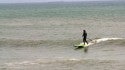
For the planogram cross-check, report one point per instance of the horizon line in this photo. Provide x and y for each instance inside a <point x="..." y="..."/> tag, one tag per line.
<point x="54" y="1"/>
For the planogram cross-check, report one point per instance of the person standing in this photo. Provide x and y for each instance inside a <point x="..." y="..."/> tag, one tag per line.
<point x="84" y="37"/>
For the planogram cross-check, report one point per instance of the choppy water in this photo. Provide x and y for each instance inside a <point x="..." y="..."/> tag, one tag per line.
<point x="41" y="36"/>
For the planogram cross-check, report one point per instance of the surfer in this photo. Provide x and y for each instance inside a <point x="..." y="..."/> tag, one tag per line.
<point x="84" y="37"/>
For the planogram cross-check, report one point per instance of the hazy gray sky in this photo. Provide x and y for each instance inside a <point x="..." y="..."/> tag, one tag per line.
<point x="22" y="1"/>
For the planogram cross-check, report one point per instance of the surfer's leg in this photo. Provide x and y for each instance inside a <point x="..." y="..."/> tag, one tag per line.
<point x="87" y="42"/>
<point x="84" y="41"/>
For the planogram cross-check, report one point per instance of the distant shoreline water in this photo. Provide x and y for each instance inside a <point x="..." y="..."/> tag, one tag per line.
<point x="84" y="10"/>
<point x="65" y="2"/>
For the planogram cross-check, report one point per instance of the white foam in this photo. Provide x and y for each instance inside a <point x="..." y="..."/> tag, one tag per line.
<point x="39" y="61"/>
<point x="13" y="64"/>
<point x="101" y="40"/>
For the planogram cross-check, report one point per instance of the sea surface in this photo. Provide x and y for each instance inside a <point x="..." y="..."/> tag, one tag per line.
<point x="40" y="36"/>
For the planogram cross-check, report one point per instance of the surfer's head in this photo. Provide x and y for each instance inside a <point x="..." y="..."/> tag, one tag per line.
<point x="84" y="31"/>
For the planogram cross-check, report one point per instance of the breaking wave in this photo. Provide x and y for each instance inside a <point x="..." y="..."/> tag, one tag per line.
<point x="31" y="43"/>
<point x="102" y="40"/>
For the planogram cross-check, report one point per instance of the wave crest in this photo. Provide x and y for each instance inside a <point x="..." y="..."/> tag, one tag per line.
<point x="102" y="40"/>
<point x="18" y="42"/>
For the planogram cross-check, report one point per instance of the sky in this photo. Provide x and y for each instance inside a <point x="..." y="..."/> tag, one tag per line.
<point x="23" y="1"/>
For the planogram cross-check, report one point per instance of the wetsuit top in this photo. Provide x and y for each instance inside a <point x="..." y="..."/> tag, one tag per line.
<point x="84" y="35"/>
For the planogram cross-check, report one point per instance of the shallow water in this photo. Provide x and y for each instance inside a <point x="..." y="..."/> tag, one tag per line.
<point x="37" y="39"/>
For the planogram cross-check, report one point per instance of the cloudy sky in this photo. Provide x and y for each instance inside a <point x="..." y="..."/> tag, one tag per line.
<point x="23" y="1"/>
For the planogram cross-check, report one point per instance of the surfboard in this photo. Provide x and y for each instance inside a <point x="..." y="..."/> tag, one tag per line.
<point x="81" y="45"/>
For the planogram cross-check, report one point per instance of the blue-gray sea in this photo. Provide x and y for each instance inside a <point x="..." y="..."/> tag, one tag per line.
<point x="40" y="36"/>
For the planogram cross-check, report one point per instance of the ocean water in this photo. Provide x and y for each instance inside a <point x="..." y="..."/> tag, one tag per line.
<point x="39" y="36"/>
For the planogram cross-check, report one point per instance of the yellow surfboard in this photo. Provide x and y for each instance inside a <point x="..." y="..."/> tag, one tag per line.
<point x="81" y="45"/>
